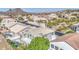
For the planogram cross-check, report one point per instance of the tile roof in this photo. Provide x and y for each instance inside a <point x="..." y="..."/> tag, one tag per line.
<point x="71" y="39"/>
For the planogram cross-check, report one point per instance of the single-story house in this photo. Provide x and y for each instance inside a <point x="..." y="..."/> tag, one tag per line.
<point x="75" y="27"/>
<point x="8" y="22"/>
<point x="45" y="32"/>
<point x="66" y="42"/>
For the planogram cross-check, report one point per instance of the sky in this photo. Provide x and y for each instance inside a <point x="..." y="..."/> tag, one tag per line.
<point x="38" y="10"/>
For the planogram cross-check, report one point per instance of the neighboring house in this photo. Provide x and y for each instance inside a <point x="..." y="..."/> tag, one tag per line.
<point x="33" y="23"/>
<point x="25" y="33"/>
<point x="53" y="16"/>
<point x="17" y="28"/>
<point x="75" y="27"/>
<point x="36" y="18"/>
<point x="8" y="22"/>
<point x="66" y="16"/>
<point x="15" y="32"/>
<point x="75" y="14"/>
<point x="41" y="32"/>
<point x="4" y="16"/>
<point x="66" y="42"/>
<point x="72" y="17"/>
<point x="36" y="24"/>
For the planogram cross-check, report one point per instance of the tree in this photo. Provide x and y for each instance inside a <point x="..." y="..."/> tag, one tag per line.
<point x="20" y="19"/>
<point x="39" y="43"/>
<point x="13" y="44"/>
<point x="22" y="46"/>
<point x="17" y="45"/>
<point x="30" y="17"/>
<point x="0" y="19"/>
<point x="50" y="24"/>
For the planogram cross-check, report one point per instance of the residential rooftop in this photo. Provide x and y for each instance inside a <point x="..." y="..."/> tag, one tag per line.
<point x="71" y="39"/>
<point x="40" y="30"/>
<point x="17" y="28"/>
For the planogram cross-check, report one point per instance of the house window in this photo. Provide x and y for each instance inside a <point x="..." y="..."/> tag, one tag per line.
<point x="56" y="48"/>
<point x="52" y="46"/>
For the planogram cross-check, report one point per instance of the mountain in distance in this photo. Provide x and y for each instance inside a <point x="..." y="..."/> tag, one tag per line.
<point x="18" y="11"/>
<point x="15" y="11"/>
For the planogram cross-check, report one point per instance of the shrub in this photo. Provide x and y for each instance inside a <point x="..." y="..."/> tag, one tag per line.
<point x="39" y="43"/>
